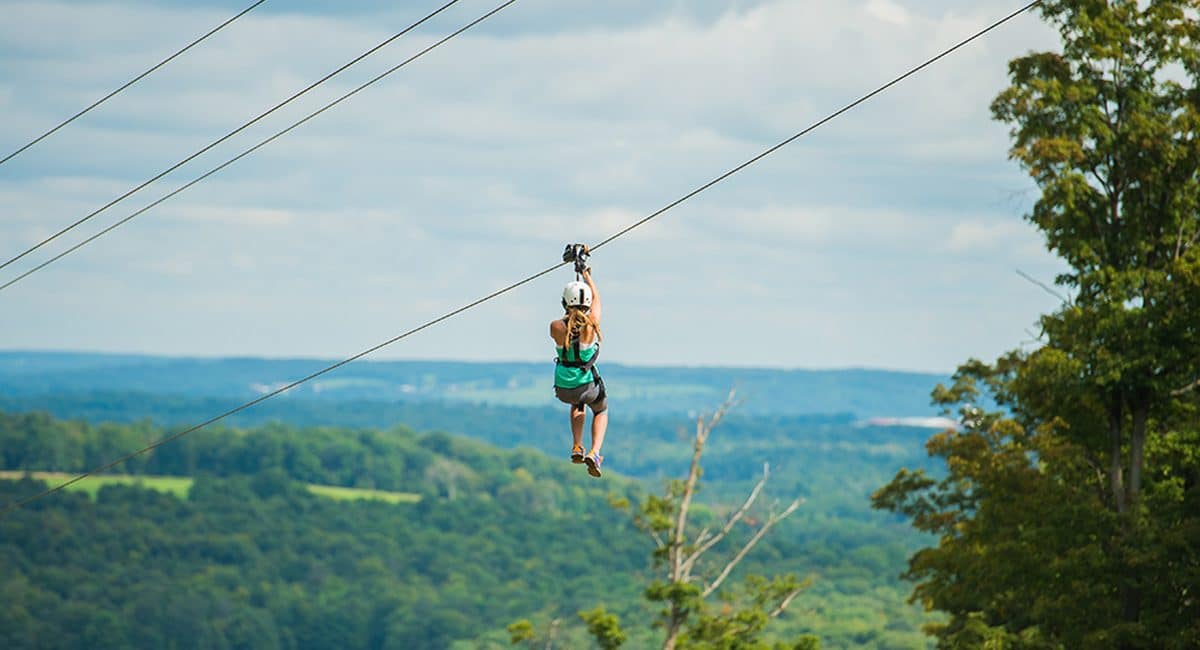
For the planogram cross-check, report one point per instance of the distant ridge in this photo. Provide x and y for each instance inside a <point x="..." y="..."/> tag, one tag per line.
<point x="864" y="393"/>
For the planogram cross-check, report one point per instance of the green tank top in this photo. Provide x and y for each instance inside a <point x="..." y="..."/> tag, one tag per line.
<point x="566" y="377"/>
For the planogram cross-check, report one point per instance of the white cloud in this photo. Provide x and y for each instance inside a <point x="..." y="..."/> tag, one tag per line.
<point x="473" y="166"/>
<point x="888" y="12"/>
<point x="974" y="236"/>
<point x="224" y="215"/>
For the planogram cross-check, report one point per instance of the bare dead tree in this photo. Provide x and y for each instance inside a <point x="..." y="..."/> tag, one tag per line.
<point x="667" y="526"/>
<point x="552" y="634"/>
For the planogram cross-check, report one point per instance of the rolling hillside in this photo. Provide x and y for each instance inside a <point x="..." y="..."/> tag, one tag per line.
<point x="637" y="390"/>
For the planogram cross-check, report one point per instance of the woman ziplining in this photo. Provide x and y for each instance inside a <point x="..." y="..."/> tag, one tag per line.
<point x="577" y="346"/>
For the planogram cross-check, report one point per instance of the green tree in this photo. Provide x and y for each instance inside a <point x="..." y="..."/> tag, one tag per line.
<point x="1065" y="518"/>
<point x="604" y="627"/>
<point x="1110" y="136"/>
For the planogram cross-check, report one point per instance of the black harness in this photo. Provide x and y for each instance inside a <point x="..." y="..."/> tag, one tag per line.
<point x="586" y="366"/>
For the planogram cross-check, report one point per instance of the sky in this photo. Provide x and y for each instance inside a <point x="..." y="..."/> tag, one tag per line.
<point x="888" y="238"/>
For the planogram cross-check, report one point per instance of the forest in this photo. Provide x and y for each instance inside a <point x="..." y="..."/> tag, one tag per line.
<point x="501" y="534"/>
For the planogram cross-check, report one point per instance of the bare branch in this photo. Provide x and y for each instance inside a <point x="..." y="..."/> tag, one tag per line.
<point x="726" y="406"/>
<point x="1045" y="287"/>
<point x="1094" y="463"/>
<point x="1193" y="240"/>
<point x="731" y="522"/>
<point x="767" y="526"/>
<point x="658" y="540"/>
<point x="552" y="633"/>
<point x="1100" y="179"/>
<point x="787" y="600"/>
<point x="1034" y="339"/>
<point x="1179" y="392"/>
<point x="1011" y="197"/>
<point x="675" y="552"/>
<point x="1034" y="336"/>
<point x="678" y="569"/>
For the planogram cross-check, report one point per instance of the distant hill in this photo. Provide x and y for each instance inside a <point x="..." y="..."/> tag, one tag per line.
<point x="861" y="393"/>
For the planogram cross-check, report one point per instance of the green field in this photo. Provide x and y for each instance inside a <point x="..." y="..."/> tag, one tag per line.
<point x="179" y="486"/>
<point x="357" y="494"/>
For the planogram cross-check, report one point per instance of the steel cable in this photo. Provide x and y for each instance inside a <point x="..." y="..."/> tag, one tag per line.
<point x="223" y="138"/>
<point x="129" y="83"/>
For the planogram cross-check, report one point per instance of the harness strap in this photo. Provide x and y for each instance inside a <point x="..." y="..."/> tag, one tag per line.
<point x="586" y="366"/>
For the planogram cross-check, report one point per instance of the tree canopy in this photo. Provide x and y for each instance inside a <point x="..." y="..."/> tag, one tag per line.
<point x="1070" y="516"/>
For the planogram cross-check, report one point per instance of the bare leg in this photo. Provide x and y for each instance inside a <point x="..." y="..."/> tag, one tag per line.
<point x="599" y="426"/>
<point x="577" y="426"/>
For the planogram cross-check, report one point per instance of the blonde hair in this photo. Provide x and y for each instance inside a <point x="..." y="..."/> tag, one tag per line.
<point x="580" y="322"/>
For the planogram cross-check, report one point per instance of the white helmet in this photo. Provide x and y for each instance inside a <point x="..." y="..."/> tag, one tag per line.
<point x="577" y="294"/>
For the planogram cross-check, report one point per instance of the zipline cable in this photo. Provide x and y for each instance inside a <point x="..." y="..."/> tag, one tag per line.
<point x="824" y="120"/>
<point x="232" y="133"/>
<point x="17" y="504"/>
<point x="129" y="83"/>
<point x="251" y="150"/>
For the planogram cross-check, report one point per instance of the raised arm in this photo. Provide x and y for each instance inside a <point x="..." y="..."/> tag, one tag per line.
<point x="587" y="277"/>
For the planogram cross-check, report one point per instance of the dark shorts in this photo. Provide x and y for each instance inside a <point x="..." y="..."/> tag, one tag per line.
<point x="592" y="394"/>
